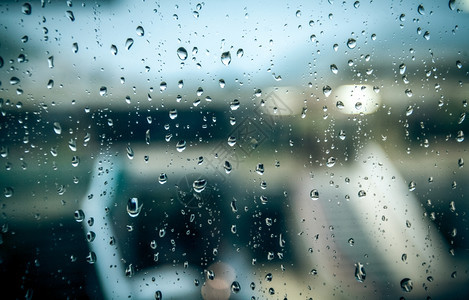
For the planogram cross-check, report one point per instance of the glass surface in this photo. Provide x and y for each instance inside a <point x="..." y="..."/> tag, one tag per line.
<point x="241" y="150"/>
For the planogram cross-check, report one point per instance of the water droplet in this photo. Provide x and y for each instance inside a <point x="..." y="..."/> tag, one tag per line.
<point x="452" y="206"/>
<point x="460" y="136"/>
<point x="173" y="113"/>
<point x="360" y="274"/>
<point x="407" y="285"/>
<point x="327" y="90"/>
<point x="361" y="193"/>
<point x="181" y="146"/>
<point x="228" y="168"/>
<point x="90" y="236"/>
<point x="75" y="161"/>
<point x="269" y="277"/>
<point x="14" y="80"/>
<point x="460" y="162"/>
<point x="129" y="271"/>
<point x="199" y="185"/>
<point x="260" y="169"/>
<point x="351" y="43"/>
<point x="57" y="128"/>
<point x="426" y="35"/>
<point x="402" y="69"/>
<point x="451" y="4"/>
<point x="133" y="209"/>
<point x="314" y="194"/>
<point x="158" y="295"/>
<point x="210" y="274"/>
<point x="356" y="4"/>
<point x="331" y="162"/>
<point x="235" y="287"/>
<point x="226" y="58"/>
<point x="412" y="186"/>
<point x="139" y="30"/>
<point x="113" y="49"/>
<point x="128" y="43"/>
<point x="231" y="141"/>
<point x="409" y="110"/>
<point x="163" y="86"/>
<point x="264" y="199"/>
<point x="351" y="241"/>
<point x="70" y="15"/>
<point x="408" y="92"/>
<point x="240" y="53"/>
<point x="91" y="258"/>
<point x="103" y="91"/>
<point x="130" y="152"/>
<point x="342" y="135"/>
<point x="147" y="137"/>
<point x="404" y="257"/>
<point x="334" y="69"/>
<point x="421" y="10"/>
<point x="339" y="104"/>
<point x="26" y="8"/>
<point x="162" y="179"/>
<point x="79" y="215"/>
<point x="182" y="53"/>
<point x="234" y="105"/>
<point x="72" y="144"/>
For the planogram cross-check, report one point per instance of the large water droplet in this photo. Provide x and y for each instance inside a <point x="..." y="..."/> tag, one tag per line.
<point x="231" y="141"/>
<point x="334" y="69"/>
<point x="91" y="258"/>
<point x="103" y="91"/>
<point x="57" y="128"/>
<point x="407" y="285"/>
<point x="226" y="58"/>
<point x="8" y="192"/>
<point x="327" y="90"/>
<point x="402" y="69"/>
<point x="158" y="295"/>
<point x="114" y="49"/>
<point x="331" y="162"/>
<point x="90" y="236"/>
<point x="235" y="287"/>
<point x="460" y="136"/>
<point x="139" y="31"/>
<point x="26" y="8"/>
<point x="181" y="146"/>
<point x="173" y="113"/>
<point x="360" y="274"/>
<point x="421" y="10"/>
<point x="75" y="161"/>
<point x="133" y="207"/>
<point x="351" y="43"/>
<point x="128" y="43"/>
<point x="72" y="144"/>
<point x="314" y="194"/>
<point x="199" y="185"/>
<point x="412" y="186"/>
<point x="50" y="62"/>
<point x="240" y="53"/>
<point x="163" y="178"/>
<point x="70" y="15"/>
<point x="228" y="168"/>
<point x="182" y="53"/>
<point x="14" y="80"/>
<point x="79" y="215"/>
<point x="260" y="169"/>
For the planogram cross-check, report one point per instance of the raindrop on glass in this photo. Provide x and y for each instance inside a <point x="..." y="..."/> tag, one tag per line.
<point x="79" y="215"/>
<point x="128" y="43"/>
<point x="314" y="194"/>
<point x="163" y="178"/>
<point x="226" y="58"/>
<point x="235" y="287"/>
<point x="407" y="285"/>
<point x="133" y="207"/>
<point x="181" y="146"/>
<point x="351" y="43"/>
<point x="139" y="31"/>
<point x="26" y="8"/>
<point x="199" y="185"/>
<point x="360" y="274"/>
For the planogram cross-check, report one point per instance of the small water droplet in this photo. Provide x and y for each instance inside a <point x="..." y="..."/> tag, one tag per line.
<point x="330" y="162"/>
<point x="50" y="62"/>
<point x="181" y="146"/>
<point x="407" y="285"/>
<point x="404" y="257"/>
<point x="426" y="35"/>
<point x="163" y="86"/>
<point x="361" y="193"/>
<point x="139" y="30"/>
<point x="460" y="162"/>
<point x="360" y="273"/>
<point x="26" y="8"/>
<point x="351" y="43"/>
<point x="412" y="186"/>
<point x="226" y="58"/>
<point x="460" y="136"/>
<point x="210" y="274"/>
<point x="334" y="69"/>
<point x="409" y="110"/>
<point x="234" y="105"/>
<point x="129" y="271"/>
<point x="133" y="207"/>
<point x="163" y="178"/>
<point x="147" y="137"/>
<point x="260" y="169"/>
<point x="72" y="144"/>
<point x="91" y="258"/>
<point x="128" y="43"/>
<point x="90" y="236"/>
<point x="351" y="241"/>
<point x="451" y="4"/>
<point x="57" y="128"/>
<point x="173" y="113"/>
<point x="240" y="53"/>
<point x="342" y="135"/>
<point x="130" y="152"/>
<point x="408" y="92"/>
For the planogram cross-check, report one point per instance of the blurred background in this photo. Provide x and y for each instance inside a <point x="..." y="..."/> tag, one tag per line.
<point x="235" y="150"/>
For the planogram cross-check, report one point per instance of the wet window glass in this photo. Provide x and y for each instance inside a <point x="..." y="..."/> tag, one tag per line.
<point x="243" y="150"/>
